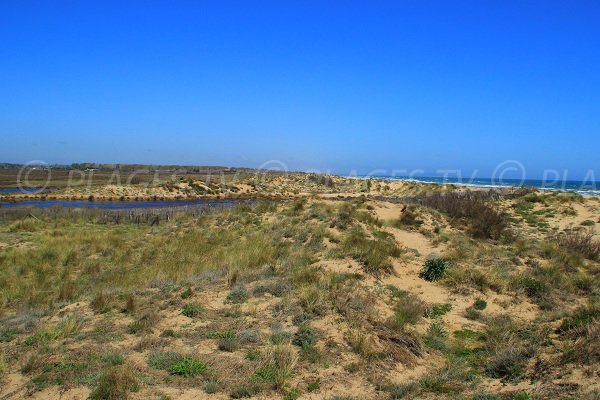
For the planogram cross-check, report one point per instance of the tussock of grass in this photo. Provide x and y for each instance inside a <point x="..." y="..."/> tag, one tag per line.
<point x="115" y="384"/>
<point x="188" y="367"/>
<point x="374" y="254"/>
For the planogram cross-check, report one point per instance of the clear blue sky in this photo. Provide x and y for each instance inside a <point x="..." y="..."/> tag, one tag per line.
<point x="327" y="85"/>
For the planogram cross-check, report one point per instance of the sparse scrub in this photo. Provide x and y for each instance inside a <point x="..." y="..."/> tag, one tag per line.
<point x="485" y="220"/>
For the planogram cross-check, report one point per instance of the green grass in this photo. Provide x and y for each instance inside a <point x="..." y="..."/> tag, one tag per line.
<point x="188" y="367"/>
<point x="192" y="310"/>
<point x="434" y="269"/>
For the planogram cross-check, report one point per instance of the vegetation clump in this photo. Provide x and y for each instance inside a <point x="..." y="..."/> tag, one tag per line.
<point x="434" y="269"/>
<point x="192" y="310"/>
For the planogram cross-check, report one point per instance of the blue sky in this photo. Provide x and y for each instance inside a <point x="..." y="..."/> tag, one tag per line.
<point x="334" y="86"/>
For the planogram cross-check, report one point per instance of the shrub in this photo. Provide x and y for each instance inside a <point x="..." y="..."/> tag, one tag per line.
<point x="279" y="336"/>
<point x="246" y="389"/>
<point x="534" y="288"/>
<point x="237" y="295"/>
<point x="436" y="336"/>
<point x="409" y="218"/>
<point x="212" y="386"/>
<point x="580" y="242"/>
<point x="434" y="269"/>
<point x="113" y="359"/>
<point x="408" y="310"/>
<point x="486" y="220"/>
<point x="480" y="304"/>
<point x="188" y="367"/>
<point x="437" y="310"/>
<point x="115" y="385"/>
<point x="507" y="363"/>
<point x="305" y="336"/>
<point x="373" y="254"/>
<point x="192" y="310"/>
<point x="278" y="365"/>
<point x="187" y="293"/>
<point x="398" y="392"/>
<point x="277" y="289"/>
<point x="228" y="341"/>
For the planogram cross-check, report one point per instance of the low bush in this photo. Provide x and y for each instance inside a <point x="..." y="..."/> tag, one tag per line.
<point x="480" y="304"/>
<point x="485" y="219"/>
<point x="436" y="336"/>
<point x="237" y="295"/>
<point x="192" y="310"/>
<point x="228" y="341"/>
<point x="437" y="310"/>
<point x="305" y="336"/>
<point x="408" y="310"/>
<point x="434" y="269"/>
<point x="580" y="242"/>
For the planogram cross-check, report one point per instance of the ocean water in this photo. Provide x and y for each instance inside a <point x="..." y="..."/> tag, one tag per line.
<point x="586" y="188"/>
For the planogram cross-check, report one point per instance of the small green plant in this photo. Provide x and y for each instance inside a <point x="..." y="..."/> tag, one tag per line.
<point x="436" y="336"/>
<point x="480" y="304"/>
<point x="253" y="355"/>
<point x="437" y="310"/>
<point x="212" y="386"/>
<point x="305" y="337"/>
<point x="188" y="367"/>
<point x="192" y="310"/>
<point x="313" y="386"/>
<point x="187" y="293"/>
<point x="228" y="341"/>
<point x="352" y="368"/>
<point x="434" y="269"/>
